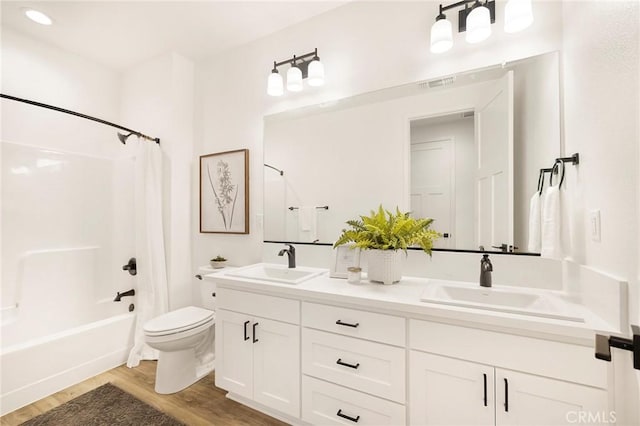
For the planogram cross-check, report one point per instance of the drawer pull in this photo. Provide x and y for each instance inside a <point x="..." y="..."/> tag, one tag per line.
<point x="340" y="362"/>
<point x="344" y="416"/>
<point x="246" y="323"/>
<point x="346" y="324"/>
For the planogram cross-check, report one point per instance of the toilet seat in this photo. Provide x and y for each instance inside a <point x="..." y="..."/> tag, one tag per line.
<point x="179" y="321"/>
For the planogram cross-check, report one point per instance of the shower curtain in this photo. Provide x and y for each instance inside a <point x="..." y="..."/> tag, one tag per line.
<point x="151" y="291"/>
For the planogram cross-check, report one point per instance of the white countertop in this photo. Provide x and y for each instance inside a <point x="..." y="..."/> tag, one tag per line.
<point x="404" y="298"/>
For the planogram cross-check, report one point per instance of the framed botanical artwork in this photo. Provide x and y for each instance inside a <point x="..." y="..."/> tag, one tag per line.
<point x="224" y="192"/>
<point x="343" y="257"/>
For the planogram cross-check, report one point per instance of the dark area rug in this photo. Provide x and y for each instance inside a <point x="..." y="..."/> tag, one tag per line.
<point x="107" y="405"/>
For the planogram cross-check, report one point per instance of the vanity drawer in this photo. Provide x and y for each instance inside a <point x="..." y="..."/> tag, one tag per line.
<point x="358" y="364"/>
<point x="328" y="404"/>
<point x="352" y="322"/>
<point x="259" y="305"/>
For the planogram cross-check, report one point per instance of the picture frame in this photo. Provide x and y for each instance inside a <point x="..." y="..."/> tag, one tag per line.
<point x="224" y="192"/>
<point x="344" y="257"/>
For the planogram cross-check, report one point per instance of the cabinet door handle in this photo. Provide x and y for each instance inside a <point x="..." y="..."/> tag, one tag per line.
<point x="485" y="388"/>
<point x="340" y="362"/>
<point x="254" y="332"/>
<point x="506" y="395"/>
<point x="346" y="324"/>
<point x="246" y="336"/>
<point x="344" y="416"/>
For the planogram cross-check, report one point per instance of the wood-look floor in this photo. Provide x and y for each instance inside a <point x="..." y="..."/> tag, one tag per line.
<point x="199" y="405"/>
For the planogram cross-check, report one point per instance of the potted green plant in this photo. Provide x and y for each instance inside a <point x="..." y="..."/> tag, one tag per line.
<point x="384" y="234"/>
<point x="218" y="262"/>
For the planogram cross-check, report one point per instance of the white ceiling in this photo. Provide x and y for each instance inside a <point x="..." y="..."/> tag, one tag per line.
<point x="120" y="34"/>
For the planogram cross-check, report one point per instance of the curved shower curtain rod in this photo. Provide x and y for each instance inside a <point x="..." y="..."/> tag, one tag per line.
<point x="123" y="138"/>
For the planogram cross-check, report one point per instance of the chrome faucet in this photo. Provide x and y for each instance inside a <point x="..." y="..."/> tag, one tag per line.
<point x="291" y="254"/>
<point x="485" y="271"/>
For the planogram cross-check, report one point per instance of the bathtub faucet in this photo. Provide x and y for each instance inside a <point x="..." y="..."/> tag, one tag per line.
<point x="119" y="296"/>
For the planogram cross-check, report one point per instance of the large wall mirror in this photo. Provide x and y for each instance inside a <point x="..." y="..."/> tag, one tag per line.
<point x="464" y="149"/>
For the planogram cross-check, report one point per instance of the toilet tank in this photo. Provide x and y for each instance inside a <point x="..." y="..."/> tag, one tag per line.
<point x="207" y="289"/>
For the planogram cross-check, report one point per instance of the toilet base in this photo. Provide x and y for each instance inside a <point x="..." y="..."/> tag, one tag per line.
<point x="177" y="371"/>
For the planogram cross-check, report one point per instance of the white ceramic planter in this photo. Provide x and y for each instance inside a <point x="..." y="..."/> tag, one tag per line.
<point x="384" y="266"/>
<point x="217" y="264"/>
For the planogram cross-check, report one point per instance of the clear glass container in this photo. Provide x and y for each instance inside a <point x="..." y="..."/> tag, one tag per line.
<point x="354" y="274"/>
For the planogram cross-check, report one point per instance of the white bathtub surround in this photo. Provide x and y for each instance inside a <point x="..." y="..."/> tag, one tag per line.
<point x="152" y="289"/>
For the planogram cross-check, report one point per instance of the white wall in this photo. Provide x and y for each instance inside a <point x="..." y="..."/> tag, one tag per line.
<point x="365" y="46"/>
<point x="601" y="116"/>
<point x="158" y="100"/>
<point x="39" y="72"/>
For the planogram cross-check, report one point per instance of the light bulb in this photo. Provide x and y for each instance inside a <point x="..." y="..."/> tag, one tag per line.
<point x="315" y="73"/>
<point x="294" y="79"/>
<point x="478" y="25"/>
<point x="517" y="15"/>
<point x="37" y="16"/>
<point x="275" y="86"/>
<point x="441" y="36"/>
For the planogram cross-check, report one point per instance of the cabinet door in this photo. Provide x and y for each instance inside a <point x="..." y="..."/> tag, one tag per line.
<point x="447" y="391"/>
<point x="234" y="353"/>
<point x="276" y="365"/>
<point x="525" y="399"/>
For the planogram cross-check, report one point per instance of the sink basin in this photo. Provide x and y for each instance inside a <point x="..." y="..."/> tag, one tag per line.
<point x="501" y="299"/>
<point x="276" y="273"/>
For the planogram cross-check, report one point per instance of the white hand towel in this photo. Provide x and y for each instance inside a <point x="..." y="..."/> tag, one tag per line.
<point x="535" y="213"/>
<point x="307" y="224"/>
<point x="550" y="244"/>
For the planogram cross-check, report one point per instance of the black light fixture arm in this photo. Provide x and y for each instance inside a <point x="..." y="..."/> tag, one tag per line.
<point x="463" y="13"/>
<point x="297" y="58"/>
<point x="454" y="5"/>
<point x="77" y="114"/>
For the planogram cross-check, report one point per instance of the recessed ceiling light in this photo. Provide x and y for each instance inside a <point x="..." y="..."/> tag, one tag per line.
<point x="37" y="16"/>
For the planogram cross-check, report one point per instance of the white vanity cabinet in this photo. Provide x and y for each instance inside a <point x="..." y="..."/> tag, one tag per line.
<point x="447" y="390"/>
<point x="353" y="365"/>
<point x="326" y="353"/>
<point x="257" y="355"/>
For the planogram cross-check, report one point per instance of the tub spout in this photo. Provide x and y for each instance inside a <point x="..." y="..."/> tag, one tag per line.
<point x="119" y="296"/>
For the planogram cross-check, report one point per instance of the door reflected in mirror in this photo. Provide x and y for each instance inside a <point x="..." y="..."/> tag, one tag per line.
<point x="465" y="150"/>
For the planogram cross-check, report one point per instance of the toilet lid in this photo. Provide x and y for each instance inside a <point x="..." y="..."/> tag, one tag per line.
<point x="178" y="320"/>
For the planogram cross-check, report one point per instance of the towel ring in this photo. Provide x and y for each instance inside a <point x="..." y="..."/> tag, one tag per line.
<point x="556" y="166"/>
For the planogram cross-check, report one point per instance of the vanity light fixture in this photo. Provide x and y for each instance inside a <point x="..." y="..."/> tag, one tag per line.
<point x="307" y="66"/>
<point x="476" y="20"/>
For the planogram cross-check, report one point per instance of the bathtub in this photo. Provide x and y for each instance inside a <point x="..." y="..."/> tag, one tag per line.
<point x="37" y="368"/>
<point x="67" y="229"/>
<point x="62" y="325"/>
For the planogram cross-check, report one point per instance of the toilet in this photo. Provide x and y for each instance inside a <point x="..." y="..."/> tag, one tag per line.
<point x="184" y="339"/>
